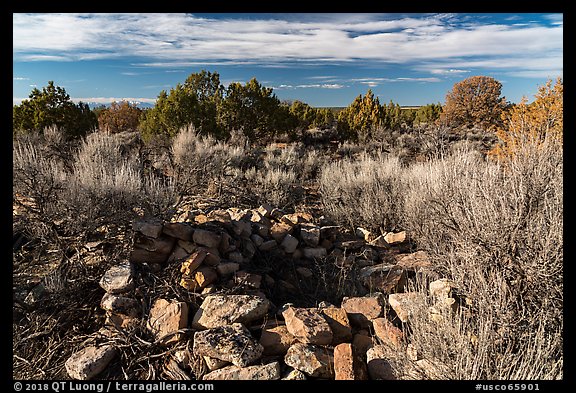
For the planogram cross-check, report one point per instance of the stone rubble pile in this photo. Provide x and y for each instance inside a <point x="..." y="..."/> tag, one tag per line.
<point x="244" y="335"/>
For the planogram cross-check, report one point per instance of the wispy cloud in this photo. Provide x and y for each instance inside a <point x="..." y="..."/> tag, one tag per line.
<point x="312" y="86"/>
<point x="20" y="78"/>
<point x="373" y="82"/>
<point x="164" y="40"/>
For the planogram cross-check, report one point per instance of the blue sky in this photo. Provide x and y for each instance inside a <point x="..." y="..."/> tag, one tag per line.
<point x="321" y="59"/>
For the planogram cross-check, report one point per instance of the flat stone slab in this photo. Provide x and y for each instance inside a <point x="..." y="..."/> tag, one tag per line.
<point x="270" y="371"/>
<point x="220" y="310"/>
<point x="308" y="326"/>
<point x="312" y="360"/>
<point x="89" y="362"/>
<point x="167" y="317"/>
<point x="118" y="279"/>
<point x="231" y="343"/>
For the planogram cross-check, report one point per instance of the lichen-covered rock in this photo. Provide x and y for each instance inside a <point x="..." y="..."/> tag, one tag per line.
<point x="167" y="317"/>
<point x="405" y="303"/>
<point x="270" y="371"/>
<point x="378" y="365"/>
<point x="220" y="310"/>
<point x="362" y="310"/>
<point x="276" y="340"/>
<point x="312" y="360"/>
<point x="339" y="323"/>
<point x="231" y="343"/>
<point x="89" y="362"/>
<point x="387" y="332"/>
<point x="178" y="230"/>
<point x="118" y="279"/>
<point x="308" y="326"/>
<point x="120" y="305"/>
<point x="206" y="238"/>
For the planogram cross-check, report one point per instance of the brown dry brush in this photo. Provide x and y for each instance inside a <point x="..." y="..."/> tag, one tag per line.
<point x="497" y="231"/>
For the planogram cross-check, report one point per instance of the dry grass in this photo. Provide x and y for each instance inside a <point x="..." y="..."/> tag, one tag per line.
<point x="363" y="192"/>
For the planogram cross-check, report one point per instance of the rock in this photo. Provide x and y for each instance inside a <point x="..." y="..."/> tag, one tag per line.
<point x="35" y="295"/>
<point x="249" y="279"/>
<point x="362" y="310"/>
<point x="89" y="362"/>
<point x="242" y="228"/>
<point x="294" y="375"/>
<point x="312" y="360"/>
<point x="206" y="238"/>
<point x="296" y="218"/>
<point x="261" y="229"/>
<point x="150" y="228"/>
<point x="432" y="369"/>
<point x="312" y="253"/>
<point x="395" y="238"/>
<point x="443" y="309"/>
<point x="304" y="272"/>
<point x="200" y="279"/>
<point x="308" y="326"/>
<point x="167" y="317"/>
<point x="178" y="230"/>
<point x="258" y="218"/>
<point x="227" y="268"/>
<point x="120" y="321"/>
<point x="441" y="289"/>
<point x="387" y="332"/>
<point x="219" y="310"/>
<point x="148" y="257"/>
<point x="404" y="303"/>
<point x="214" y="364"/>
<point x="337" y="319"/>
<point x="118" y="279"/>
<point x="364" y="234"/>
<point x="236" y="257"/>
<point x="383" y="278"/>
<point x="193" y="262"/>
<point x="279" y="230"/>
<point x="226" y="244"/>
<point x="412" y="352"/>
<point x="277" y="214"/>
<point x="330" y="232"/>
<point x="257" y="239"/>
<point x="310" y="234"/>
<point x="232" y="343"/>
<point x="413" y="261"/>
<point x="276" y="340"/>
<point x="189" y="247"/>
<point x="289" y="243"/>
<point x="120" y="305"/>
<point x="265" y="210"/>
<point x="347" y="364"/>
<point x="178" y="254"/>
<point x="270" y="371"/>
<point x="212" y="256"/>
<point x="361" y="343"/>
<point x="162" y="244"/>
<point x="219" y="215"/>
<point x="268" y="245"/>
<point x="379" y="241"/>
<point x="378" y="365"/>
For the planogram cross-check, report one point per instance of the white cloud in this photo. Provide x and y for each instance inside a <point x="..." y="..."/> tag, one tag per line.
<point x="450" y="71"/>
<point x="165" y="39"/>
<point x="312" y="86"/>
<point x="20" y="78"/>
